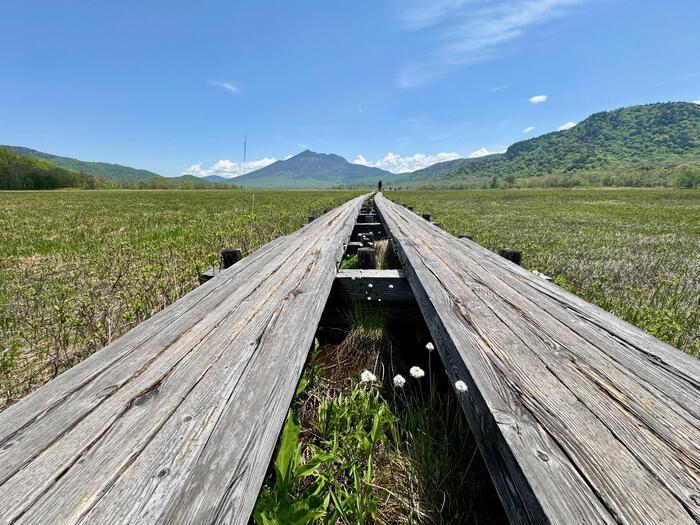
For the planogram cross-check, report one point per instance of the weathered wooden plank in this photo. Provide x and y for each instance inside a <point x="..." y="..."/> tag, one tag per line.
<point x="545" y="368"/>
<point x="136" y="432"/>
<point x="374" y="285"/>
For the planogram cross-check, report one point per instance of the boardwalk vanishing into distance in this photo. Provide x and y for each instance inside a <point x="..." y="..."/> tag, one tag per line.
<point x="580" y="417"/>
<point x="176" y="421"/>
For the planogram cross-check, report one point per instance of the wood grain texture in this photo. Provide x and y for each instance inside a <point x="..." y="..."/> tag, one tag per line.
<point x="176" y="421"/>
<point x="581" y="417"/>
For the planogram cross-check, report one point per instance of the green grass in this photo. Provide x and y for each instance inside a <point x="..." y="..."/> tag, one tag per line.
<point x="80" y="268"/>
<point x="631" y="252"/>
<point x="357" y="450"/>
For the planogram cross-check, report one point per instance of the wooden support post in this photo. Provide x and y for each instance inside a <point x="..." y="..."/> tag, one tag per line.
<point x="209" y="274"/>
<point x="465" y="236"/>
<point x="409" y="208"/>
<point x="229" y="257"/>
<point x="515" y="256"/>
<point x="312" y="218"/>
<point x="426" y="216"/>
<point x="366" y="258"/>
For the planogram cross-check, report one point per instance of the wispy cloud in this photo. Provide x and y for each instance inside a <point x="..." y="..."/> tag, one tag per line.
<point x="482" y="152"/>
<point x="397" y="164"/>
<point x="228" y="86"/>
<point x="529" y="129"/>
<point x="538" y="99"/>
<point x="696" y="101"/>
<point x="499" y="88"/>
<point x="566" y="125"/>
<point x="228" y="168"/>
<point x="462" y="32"/>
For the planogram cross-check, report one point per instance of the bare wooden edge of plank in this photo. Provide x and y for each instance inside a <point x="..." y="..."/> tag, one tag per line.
<point x="501" y="430"/>
<point x="647" y="429"/>
<point x="149" y="377"/>
<point x="681" y="491"/>
<point x="53" y="393"/>
<point x="666" y="381"/>
<point x="43" y="400"/>
<point x="346" y="227"/>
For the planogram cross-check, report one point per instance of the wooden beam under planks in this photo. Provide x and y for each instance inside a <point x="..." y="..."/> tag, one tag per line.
<point x="580" y="416"/>
<point x="374" y="285"/>
<point x="177" y="420"/>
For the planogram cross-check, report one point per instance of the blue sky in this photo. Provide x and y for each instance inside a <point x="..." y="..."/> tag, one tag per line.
<point x="172" y="86"/>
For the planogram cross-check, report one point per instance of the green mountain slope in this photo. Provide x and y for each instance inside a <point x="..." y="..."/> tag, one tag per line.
<point x="441" y="169"/>
<point x="219" y="178"/>
<point x="643" y="138"/>
<point x="314" y="170"/>
<point x="101" y="169"/>
<point x="26" y="173"/>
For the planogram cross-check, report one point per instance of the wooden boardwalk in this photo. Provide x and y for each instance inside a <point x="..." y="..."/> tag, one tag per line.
<point x="581" y="417"/>
<point x="176" y="421"/>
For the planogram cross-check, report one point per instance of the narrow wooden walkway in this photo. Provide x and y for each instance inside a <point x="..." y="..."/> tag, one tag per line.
<point x="176" y="421"/>
<point x="581" y="417"/>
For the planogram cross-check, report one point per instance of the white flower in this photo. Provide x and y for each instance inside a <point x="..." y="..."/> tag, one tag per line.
<point x="429" y="347"/>
<point x="391" y="286"/>
<point x="370" y="285"/>
<point x="416" y="372"/>
<point x="369" y="298"/>
<point x="399" y="381"/>
<point x="5" y="350"/>
<point x="461" y="386"/>
<point x="367" y="377"/>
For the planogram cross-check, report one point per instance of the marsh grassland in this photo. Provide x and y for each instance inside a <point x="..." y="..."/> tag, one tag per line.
<point x="635" y="253"/>
<point x="80" y="268"/>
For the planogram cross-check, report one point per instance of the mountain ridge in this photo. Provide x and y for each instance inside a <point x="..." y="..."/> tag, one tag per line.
<point x="643" y="136"/>
<point x="101" y="169"/>
<point x="320" y="170"/>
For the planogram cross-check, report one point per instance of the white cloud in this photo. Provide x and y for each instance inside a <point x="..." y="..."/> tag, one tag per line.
<point x="398" y="164"/>
<point x="529" y="129"/>
<point x="696" y="102"/>
<point x="228" y="168"/>
<point x="482" y="152"/>
<point x="566" y="125"/>
<point x="468" y="31"/>
<point x="228" y="86"/>
<point x="538" y="99"/>
<point x="499" y="88"/>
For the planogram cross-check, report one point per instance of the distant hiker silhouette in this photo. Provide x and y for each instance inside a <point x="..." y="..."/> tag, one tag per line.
<point x="379" y="186"/>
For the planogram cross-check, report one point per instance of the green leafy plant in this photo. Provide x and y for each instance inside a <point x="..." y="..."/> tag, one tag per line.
<point x="286" y="502"/>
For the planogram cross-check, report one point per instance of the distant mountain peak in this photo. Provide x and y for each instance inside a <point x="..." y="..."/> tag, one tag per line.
<point x="310" y="169"/>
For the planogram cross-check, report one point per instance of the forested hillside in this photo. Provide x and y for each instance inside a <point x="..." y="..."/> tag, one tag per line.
<point x="650" y="145"/>
<point x="25" y="173"/>
<point x="28" y="173"/>
<point x="101" y="169"/>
